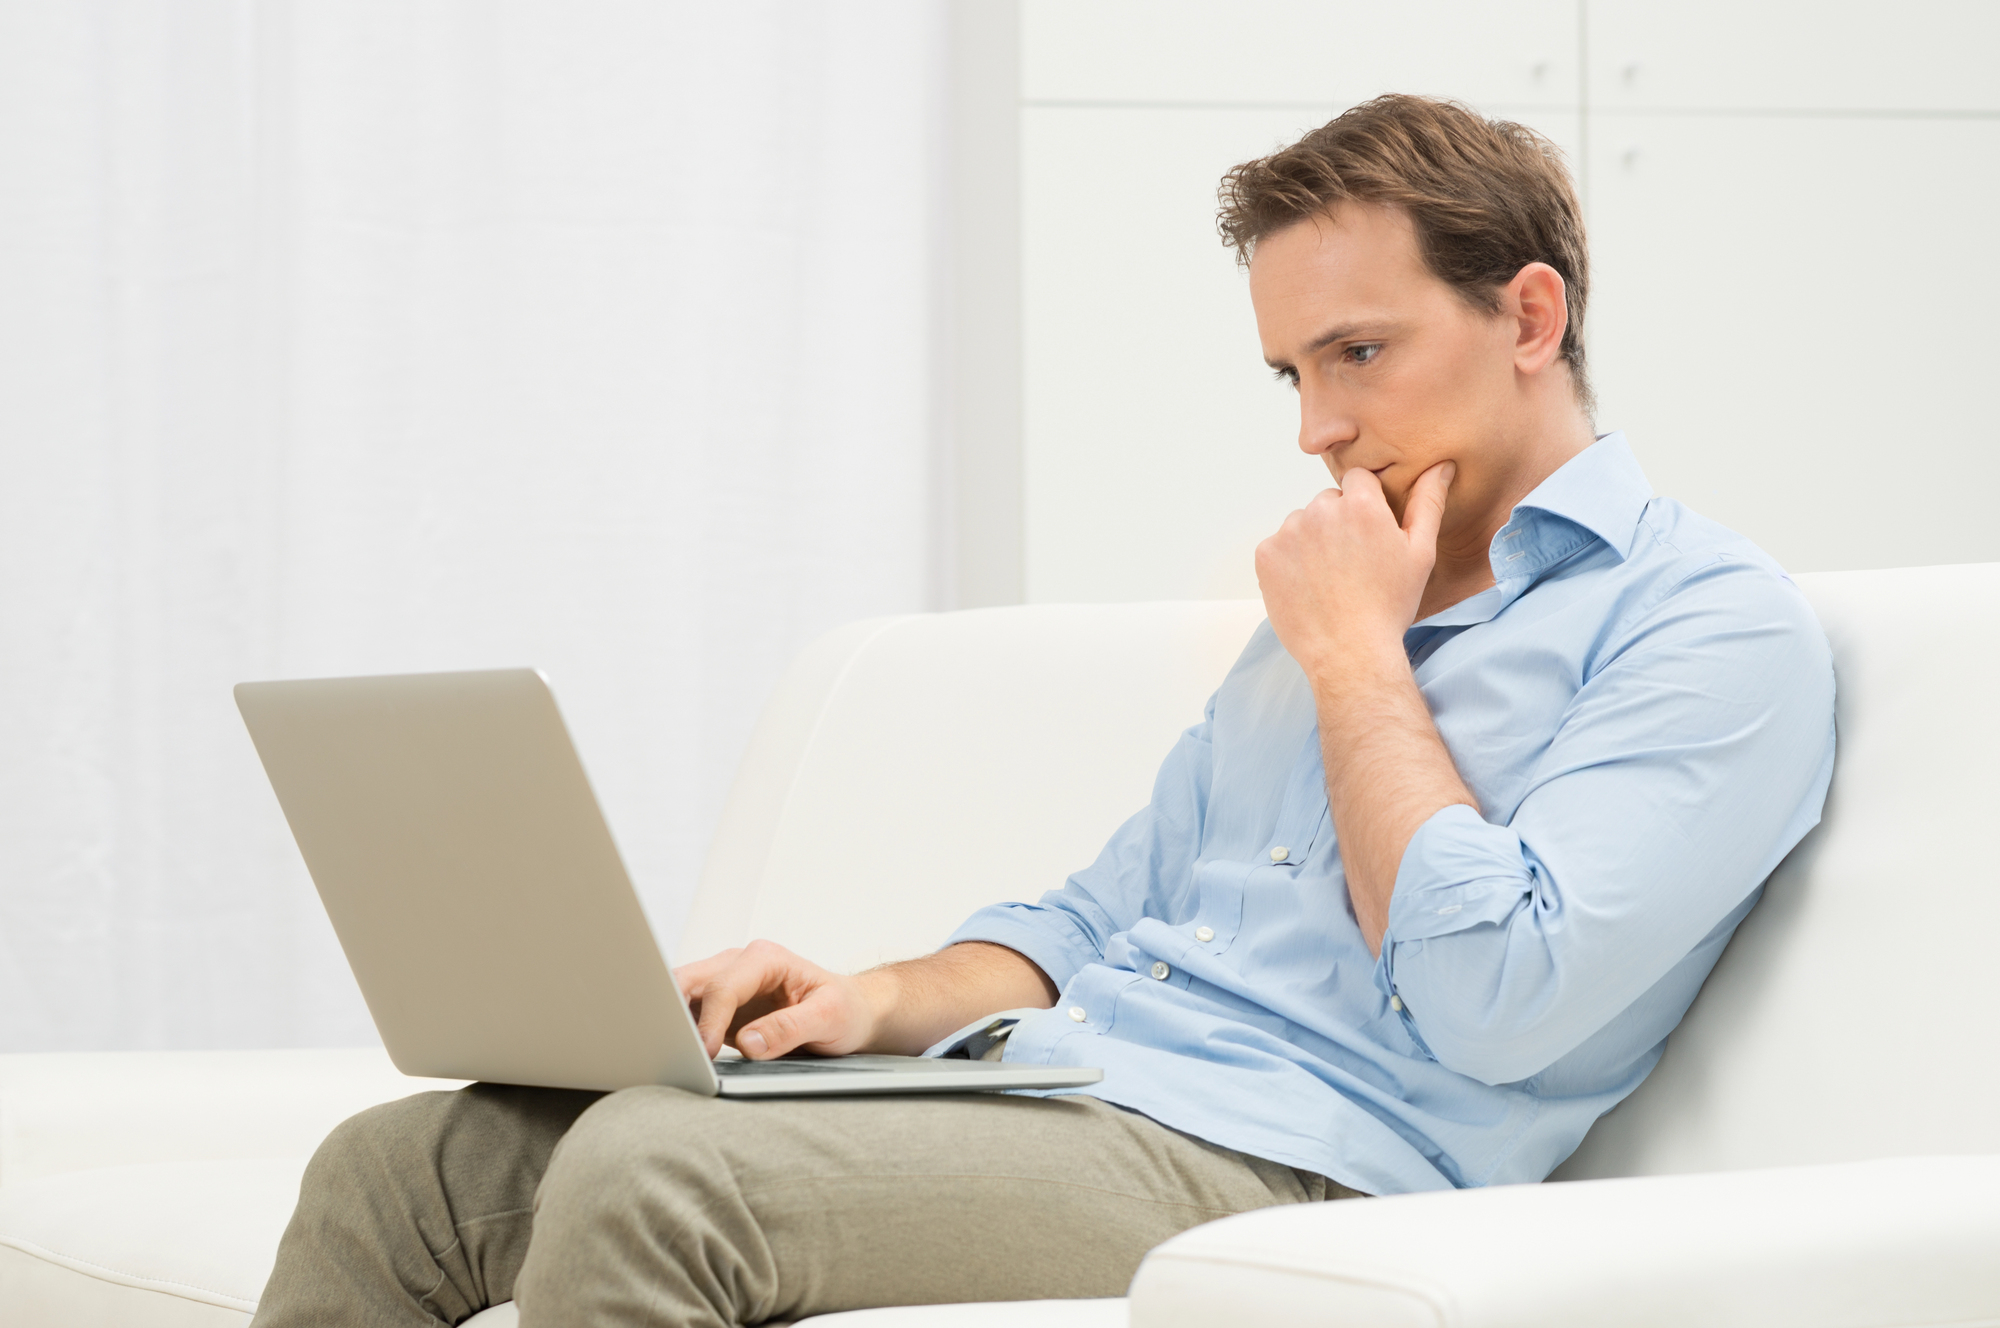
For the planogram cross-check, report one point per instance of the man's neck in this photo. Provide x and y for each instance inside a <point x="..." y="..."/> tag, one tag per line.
<point x="1464" y="564"/>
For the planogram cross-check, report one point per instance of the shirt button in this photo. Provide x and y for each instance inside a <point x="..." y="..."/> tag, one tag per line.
<point x="1076" y="1013"/>
<point x="1160" y="969"/>
<point x="1204" y="933"/>
<point x="1396" y="1004"/>
<point x="1280" y="854"/>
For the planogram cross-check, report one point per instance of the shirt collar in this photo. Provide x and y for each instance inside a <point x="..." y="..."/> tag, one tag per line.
<point x="1600" y="489"/>
<point x="1599" y="492"/>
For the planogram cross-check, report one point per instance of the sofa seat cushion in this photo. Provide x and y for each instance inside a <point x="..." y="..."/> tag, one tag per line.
<point x="1905" y="1241"/>
<point x="162" y="1245"/>
<point x="74" y="1110"/>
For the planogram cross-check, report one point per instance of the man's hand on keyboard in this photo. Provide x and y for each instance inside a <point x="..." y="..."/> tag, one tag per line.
<point x="764" y="1001"/>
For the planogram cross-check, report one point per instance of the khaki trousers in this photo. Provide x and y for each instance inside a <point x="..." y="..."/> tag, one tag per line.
<point x="654" y="1206"/>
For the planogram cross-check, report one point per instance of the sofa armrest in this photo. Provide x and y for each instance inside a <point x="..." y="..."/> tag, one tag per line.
<point x="1908" y="1241"/>
<point x="70" y="1111"/>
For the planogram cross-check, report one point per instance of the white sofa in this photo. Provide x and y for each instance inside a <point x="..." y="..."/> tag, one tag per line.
<point x="1820" y="1145"/>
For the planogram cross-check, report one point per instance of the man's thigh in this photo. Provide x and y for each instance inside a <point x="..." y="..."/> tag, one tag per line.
<point x="658" y="1202"/>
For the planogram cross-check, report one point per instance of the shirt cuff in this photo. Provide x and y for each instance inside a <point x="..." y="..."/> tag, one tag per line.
<point x="1049" y="937"/>
<point x="1459" y="872"/>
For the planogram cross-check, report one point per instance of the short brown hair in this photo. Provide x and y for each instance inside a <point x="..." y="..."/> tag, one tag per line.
<point x="1488" y="197"/>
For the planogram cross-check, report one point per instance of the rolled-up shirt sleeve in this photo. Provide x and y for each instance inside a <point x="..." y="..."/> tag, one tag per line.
<point x="1669" y="792"/>
<point x="1139" y="872"/>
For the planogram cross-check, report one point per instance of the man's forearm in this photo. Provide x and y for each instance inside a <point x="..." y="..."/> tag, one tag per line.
<point x="1342" y="581"/>
<point x="1387" y="772"/>
<point x="920" y="1000"/>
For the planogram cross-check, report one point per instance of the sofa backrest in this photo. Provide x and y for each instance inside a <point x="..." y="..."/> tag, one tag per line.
<point x="910" y="770"/>
<point x="1856" y="1014"/>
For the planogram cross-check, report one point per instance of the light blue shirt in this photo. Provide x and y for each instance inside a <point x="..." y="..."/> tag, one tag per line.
<point x="1643" y="706"/>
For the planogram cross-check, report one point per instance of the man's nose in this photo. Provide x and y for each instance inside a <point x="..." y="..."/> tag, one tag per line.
<point x="1323" y="424"/>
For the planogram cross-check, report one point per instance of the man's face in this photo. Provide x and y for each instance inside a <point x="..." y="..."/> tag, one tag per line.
<point x="1395" y="371"/>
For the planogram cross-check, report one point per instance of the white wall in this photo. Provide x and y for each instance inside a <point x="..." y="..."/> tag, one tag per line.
<point x="983" y="299"/>
<point x="1790" y="207"/>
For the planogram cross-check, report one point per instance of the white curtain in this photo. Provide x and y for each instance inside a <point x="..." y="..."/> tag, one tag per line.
<point x="346" y="337"/>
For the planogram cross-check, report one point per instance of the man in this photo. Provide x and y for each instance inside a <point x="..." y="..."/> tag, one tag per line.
<point x="1454" y="847"/>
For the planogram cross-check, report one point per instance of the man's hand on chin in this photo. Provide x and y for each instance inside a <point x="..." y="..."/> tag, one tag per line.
<point x="1342" y="581"/>
<point x="1342" y="578"/>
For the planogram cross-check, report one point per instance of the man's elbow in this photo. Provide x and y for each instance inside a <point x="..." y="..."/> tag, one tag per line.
<point x="1492" y="1050"/>
<point x="1494" y="1065"/>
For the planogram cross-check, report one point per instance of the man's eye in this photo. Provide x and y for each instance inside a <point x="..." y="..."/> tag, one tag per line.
<point x="1287" y="375"/>
<point x="1363" y="354"/>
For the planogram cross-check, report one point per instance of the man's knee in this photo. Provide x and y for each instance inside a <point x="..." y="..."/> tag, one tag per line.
<point x="641" y="1208"/>
<point x="668" y="1143"/>
<point x="633" y="1129"/>
<point x="390" y="1133"/>
<point x="475" y="1140"/>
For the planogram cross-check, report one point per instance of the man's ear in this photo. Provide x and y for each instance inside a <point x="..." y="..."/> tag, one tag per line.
<point x="1538" y="300"/>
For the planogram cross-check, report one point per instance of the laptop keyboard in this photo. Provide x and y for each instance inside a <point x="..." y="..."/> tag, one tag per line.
<point x="735" y="1067"/>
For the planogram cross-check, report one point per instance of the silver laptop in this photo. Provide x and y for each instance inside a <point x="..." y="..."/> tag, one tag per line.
<point x="475" y="887"/>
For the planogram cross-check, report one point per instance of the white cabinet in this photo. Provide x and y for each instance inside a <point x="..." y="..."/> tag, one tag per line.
<point x="1325" y="53"/>
<point x="1794" y="320"/>
<point x="1794" y="56"/>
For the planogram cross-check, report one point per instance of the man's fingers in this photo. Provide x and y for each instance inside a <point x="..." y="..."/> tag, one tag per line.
<point x="1424" y="512"/>
<point x="817" y="1018"/>
<point x="766" y="988"/>
<point x="718" y="1007"/>
<point x="1359" y="483"/>
<point x="748" y="974"/>
<point x="692" y="977"/>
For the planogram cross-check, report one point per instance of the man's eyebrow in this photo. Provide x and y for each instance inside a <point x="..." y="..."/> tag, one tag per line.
<point x="1333" y="334"/>
<point x="1339" y="333"/>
